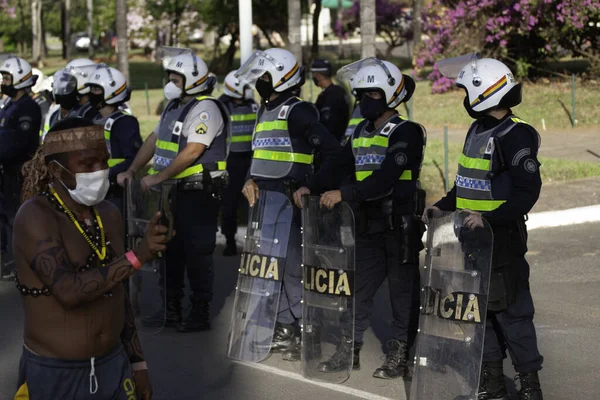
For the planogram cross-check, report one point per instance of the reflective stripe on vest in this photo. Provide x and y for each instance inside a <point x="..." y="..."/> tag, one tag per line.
<point x="169" y="141"/>
<point x="108" y="125"/>
<point x="473" y="185"/>
<point x="355" y="119"/>
<point x="275" y="153"/>
<point x="243" y="119"/>
<point x="370" y="151"/>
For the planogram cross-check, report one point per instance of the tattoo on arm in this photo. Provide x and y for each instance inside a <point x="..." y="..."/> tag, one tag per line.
<point x="73" y="288"/>
<point x="129" y="335"/>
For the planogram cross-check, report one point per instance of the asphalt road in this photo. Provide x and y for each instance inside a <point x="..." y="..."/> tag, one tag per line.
<point x="566" y="287"/>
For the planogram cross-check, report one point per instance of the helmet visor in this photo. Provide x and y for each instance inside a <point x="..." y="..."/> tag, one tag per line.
<point x="451" y="67"/>
<point x="64" y="83"/>
<point x="256" y="66"/>
<point x="168" y="57"/>
<point x="351" y="72"/>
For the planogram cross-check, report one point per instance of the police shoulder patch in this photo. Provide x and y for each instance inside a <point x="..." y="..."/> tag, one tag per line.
<point x="204" y="116"/>
<point x="530" y="166"/>
<point x="400" y="159"/>
<point x="24" y="125"/>
<point x="284" y="112"/>
<point x="201" y="128"/>
<point x="388" y="128"/>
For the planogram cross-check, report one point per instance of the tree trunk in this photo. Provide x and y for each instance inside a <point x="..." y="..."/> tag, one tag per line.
<point x="23" y="25"/>
<point x="90" y="28"/>
<point x="122" y="42"/>
<point x="66" y="25"/>
<point x="367" y="28"/>
<point x="340" y="23"/>
<point x="36" y="31"/>
<point x="315" y="39"/>
<point x="43" y="28"/>
<point x="294" y="33"/>
<point x="417" y="27"/>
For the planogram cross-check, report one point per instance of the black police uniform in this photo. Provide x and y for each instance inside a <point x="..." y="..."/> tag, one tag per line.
<point x="238" y="163"/>
<point x="510" y="309"/>
<point x="123" y="131"/>
<point x="387" y="203"/>
<point x="19" y="138"/>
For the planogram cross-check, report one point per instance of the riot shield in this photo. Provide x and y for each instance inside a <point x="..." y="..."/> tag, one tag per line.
<point x="146" y="287"/>
<point x="260" y="278"/>
<point x="328" y="290"/>
<point x="454" y="295"/>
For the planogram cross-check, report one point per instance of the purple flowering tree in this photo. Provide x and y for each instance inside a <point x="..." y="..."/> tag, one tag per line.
<point x="523" y="33"/>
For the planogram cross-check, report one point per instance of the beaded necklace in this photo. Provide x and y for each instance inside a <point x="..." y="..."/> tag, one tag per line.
<point x="98" y="248"/>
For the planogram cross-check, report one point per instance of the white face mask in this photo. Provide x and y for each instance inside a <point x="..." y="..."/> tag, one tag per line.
<point x="172" y="92"/>
<point x="90" y="188"/>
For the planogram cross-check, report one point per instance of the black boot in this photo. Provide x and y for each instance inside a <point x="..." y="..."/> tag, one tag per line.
<point x="198" y="319"/>
<point x="491" y="382"/>
<point x="339" y="361"/>
<point x="530" y="386"/>
<point x="230" y="248"/>
<point x="160" y="319"/>
<point x="395" y="361"/>
<point x="313" y="341"/>
<point x="283" y="339"/>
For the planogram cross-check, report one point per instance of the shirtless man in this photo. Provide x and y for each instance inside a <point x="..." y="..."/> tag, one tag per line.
<point x="80" y="338"/>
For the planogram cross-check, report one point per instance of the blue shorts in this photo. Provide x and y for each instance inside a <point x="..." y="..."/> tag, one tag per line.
<point x="103" y="378"/>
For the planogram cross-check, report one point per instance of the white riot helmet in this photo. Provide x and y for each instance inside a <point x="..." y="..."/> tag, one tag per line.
<point x="74" y="67"/>
<point x="233" y="87"/>
<point x="488" y="83"/>
<point x="280" y="64"/>
<point x="185" y="63"/>
<point x="41" y="78"/>
<point x="374" y="74"/>
<point x="20" y="71"/>
<point x="64" y="89"/>
<point x="113" y="84"/>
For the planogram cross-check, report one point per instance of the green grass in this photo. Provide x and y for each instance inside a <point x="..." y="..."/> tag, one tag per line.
<point x="552" y="169"/>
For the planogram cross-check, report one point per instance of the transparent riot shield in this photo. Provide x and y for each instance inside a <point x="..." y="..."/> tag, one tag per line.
<point x="454" y="295"/>
<point x="260" y="278"/>
<point x="328" y="291"/>
<point x="146" y="287"/>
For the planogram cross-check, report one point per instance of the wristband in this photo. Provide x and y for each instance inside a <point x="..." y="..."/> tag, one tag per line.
<point x="132" y="258"/>
<point x="139" y="366"/>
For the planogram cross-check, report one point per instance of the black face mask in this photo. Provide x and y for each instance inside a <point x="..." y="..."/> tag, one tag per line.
<point x="472" y="113"/>
<point x="264" y="88"/>
<point x="371" y="108"/>
<point x="316" y="81"/>
<point x="67" y="101"/>
<point x="9" y="90"/>
<point x="96" y="100"/>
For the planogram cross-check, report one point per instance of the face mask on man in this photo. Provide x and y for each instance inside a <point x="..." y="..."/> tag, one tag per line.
<point x="371" y="108"/>
<point x="8" y="90"/>
<point x="96" y="100"/>
<point x="264" y="88"/>
<point x="67" y="101"/>
<point x="172" y="92"/>
<point x="91" y="187"/>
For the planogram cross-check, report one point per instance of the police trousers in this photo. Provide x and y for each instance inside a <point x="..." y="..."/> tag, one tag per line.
<point x="512" y="329"/>
<point x="378" y="256"/>
<point x="192" y="248"/>
<point x="290" y="306"/>
<point x="237" y="167"/>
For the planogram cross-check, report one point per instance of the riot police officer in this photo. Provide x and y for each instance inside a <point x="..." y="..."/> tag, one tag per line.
<point x="71" y="94"/>
<point x="242" y="109"/>
<point x="384" y="155"/>
<point x="42" y="92"/>
<point x="190" y="146"/>
<point x="20" y="120"/>
<point x="286" y="135"/>
<point x="332" y="103"/>
<point x="109" y="90"/>
<point x="499" y="180"/>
